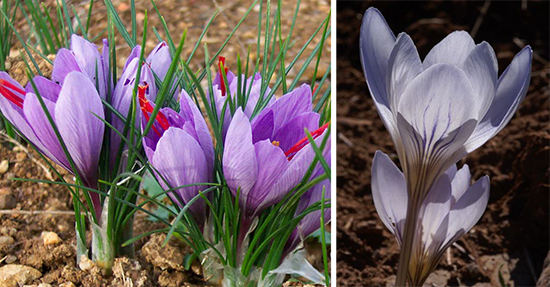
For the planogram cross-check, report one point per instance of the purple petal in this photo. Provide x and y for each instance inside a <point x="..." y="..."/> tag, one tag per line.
<point x="76" y="113"/>
<point x="47" y="89"/>
<point x="291" y="105"/>
<point x="88" y="58"/>
<point x="180" y="160"/>
<point x="468" y="210"/>
<point x="376" y="43"/>
<point x="271" y="163"/>
<point x="293" y="131"/>
<point x="404" y="65"/>
<point x="262" y="126"/>
<point x="39" y="122"/>
<point x="511" y="89"/>
<point x="481" y="69"/>
<point x="240" y="165"/>
<point x="64" y="63"/>
<point x="454" y="50"/>
<point x="389" y="193"/>
<point x="160" y="60"/>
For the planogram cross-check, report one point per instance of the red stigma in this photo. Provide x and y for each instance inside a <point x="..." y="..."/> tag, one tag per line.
<point x="221" y="66"/>
<point x="290" y="153"/>
<point x="9" y="90"/>
<point x="147" y="109"/>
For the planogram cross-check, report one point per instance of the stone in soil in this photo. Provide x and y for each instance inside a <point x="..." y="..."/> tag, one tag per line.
<point x="14" y="275"/>
<point x="50" y="238"/>
<point x="4" y="165"/>
<point x="7" y="200"/>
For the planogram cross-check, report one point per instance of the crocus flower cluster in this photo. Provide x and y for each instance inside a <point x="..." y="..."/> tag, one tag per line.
<point x="437" y="111"/>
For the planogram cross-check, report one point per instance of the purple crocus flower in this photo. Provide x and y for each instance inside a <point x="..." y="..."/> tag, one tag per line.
<point x="253" y="84"/>
<point x="452" y="207"/>
<point x="84" y="57"/>
<point x="179" y="147"/>
<point x="265" y="159"/>
<point x="76" y="109"/>
<point x="311" y="222"/>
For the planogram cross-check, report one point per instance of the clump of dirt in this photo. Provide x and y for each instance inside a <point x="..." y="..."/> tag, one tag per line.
<point x="512" y="237"/>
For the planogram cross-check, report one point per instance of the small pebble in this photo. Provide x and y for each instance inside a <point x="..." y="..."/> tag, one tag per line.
<point x="4" y="165"/>
<point x="67" y="284"/>
<point x="13" y="275"/>
<point x="20" y="156"/>
<point x="85" y="263"/>
<point x="6" y="240"/>
<point x="50" y="238"/>
<point x="10" y="259"/>
<point x="7" y="200"/>
<point x="44" y="285"/>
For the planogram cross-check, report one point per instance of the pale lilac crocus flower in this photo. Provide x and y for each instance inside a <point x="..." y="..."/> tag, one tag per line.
<point x="76" y="110"/>
<point x="437" y="110"/>
<point x="451" y="208"/>
<point x="440" y="109"/>
<point x="250" y="87"/>
<point x="179" y="147"/>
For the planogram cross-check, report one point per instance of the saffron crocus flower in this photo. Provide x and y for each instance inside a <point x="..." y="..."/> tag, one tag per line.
<point x="179" y="147"/>
<point x="311" y="222"/>
<point x="444" y="107"/>
<point x="451" y="208"/>
<point x="265" y="159"/>
<point x="75" y="108"/>
<point x="250" y="87"/>
<point x="84" y="57"/>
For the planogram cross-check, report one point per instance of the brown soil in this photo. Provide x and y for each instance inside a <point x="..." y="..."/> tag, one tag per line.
<point x="512" y="236"/>
<point x="28" y="209"/>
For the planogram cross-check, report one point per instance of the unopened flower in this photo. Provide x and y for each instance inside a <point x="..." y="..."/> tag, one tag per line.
<point x="76" y="110"/>
<point x="179" y="147"/>
<point x="451" y="208"/>
<point x="444" y="107"/>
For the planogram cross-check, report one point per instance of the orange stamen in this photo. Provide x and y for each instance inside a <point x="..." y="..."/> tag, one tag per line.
<point x="6" y="90"/>
<point x="290" y="153"/>
<point x="221" y="66"/>
<point x="147" y="109"/>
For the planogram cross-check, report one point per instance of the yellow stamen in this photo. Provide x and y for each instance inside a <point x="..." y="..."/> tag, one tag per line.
<point x="275" y="143"/>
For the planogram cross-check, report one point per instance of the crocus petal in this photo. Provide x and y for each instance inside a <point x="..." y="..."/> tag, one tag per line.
<point x="293" y="131"/>
<point x="42" y="127"/>
<point x="64" y="63"/>
<point x="190" y="112"/>
<point x="454" y="50"/>
<point x="239" y="158"/>
<point x="389" y="193"/>
<point x="181" y="161"/>
<point x="438" y="101"/>
<point x="376" y="43"/>
<point x="296" y="170"/>
<point x="272" y="163"/>
<point x="76" y="113"/>
<point x="481" y="69"/>
<point x="437" y="205"/>
<point x="88" y="58"/>
<point x="47" y="89"/>
<point x="511" y="89"/>
<point x="404" y="65"/>
<point x="136" y="51"/>
<point x="262" y="126"/>
<point x="159" y="60"/>
<point x="292" y="104"/>
<point x="468" y="210"/>
<point x="460" y="183"/>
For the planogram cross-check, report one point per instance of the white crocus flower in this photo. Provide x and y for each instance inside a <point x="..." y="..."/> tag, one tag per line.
<point x="451" y="208"/>
<point x="436" y="110"/>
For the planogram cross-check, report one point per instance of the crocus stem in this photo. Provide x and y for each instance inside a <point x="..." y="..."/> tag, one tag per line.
<point x="407" y="243"/>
